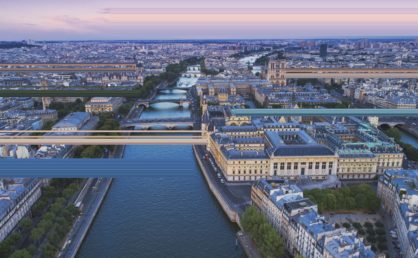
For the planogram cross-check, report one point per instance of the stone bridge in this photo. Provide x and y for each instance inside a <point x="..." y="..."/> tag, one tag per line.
<point x="392" y="122"/>
<point x="148" y="103"/>
<point x="169" y="123"/>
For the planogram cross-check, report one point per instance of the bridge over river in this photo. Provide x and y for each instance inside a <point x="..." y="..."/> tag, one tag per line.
<point x="147" y="103"/>
<point x="168" y="123"/>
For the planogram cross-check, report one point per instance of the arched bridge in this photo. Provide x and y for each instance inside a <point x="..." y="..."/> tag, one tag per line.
<point x="148" y="103"/>
<point x="169" y="123"/>
<point x="392" y="122"/>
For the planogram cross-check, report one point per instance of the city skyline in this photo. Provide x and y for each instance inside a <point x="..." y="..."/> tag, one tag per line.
<point x="161" y="19"/>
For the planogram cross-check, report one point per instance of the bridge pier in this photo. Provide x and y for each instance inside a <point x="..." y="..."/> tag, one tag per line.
<point x="145" y="104"/>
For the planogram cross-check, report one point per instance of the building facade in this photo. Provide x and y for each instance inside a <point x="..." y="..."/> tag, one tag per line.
<point x="270" y="148"/>
<point x="276" y="73"/>
<point x="103" y="104"/>
<point x="16" y="199"/>
<point x="303" y="230"/>
<point x="397" y="188"/>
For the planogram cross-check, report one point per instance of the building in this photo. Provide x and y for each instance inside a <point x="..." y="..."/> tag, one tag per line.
<point x="276" y="73"/>
<point x="398" y="190"/>
<point x="304" y="231"/>
<point x="357" y="164"/>
<point x="268" y="149"/>
<point x="402" y="102"/>
<point x="288" y="96"/>
<point x="248" y="149"/>
<point x="233" y="86"/>
<point x="364" y="151"/>
<point x="72" y="122"/>
<point x="103" y="104"/>
<point x="17" y="196"/>
<point x="323" y="51"/>
<point x="193" y="71"/>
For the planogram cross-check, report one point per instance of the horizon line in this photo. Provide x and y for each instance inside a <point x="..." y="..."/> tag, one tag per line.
<point x="226" y="39"/>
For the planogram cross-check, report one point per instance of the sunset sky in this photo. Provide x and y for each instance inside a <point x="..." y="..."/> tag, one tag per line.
<point x="214" y="19"/>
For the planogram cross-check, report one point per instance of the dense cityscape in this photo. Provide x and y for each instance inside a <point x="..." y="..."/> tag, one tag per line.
<point x="256" y="186"/>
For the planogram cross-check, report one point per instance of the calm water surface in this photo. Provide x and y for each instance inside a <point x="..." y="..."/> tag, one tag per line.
<point x="166" y="211"/>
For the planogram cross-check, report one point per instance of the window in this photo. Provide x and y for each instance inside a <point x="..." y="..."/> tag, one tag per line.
<point x="289" y="166"/>
<point x="275" y="165"/>
<point x="295" y="166"/>
<point x="310" y="165"/>
<point x="324" y="165"/>
<point x="330" y="164"/>
<point x="316" y="165"/>
<point x="282" y="166"/>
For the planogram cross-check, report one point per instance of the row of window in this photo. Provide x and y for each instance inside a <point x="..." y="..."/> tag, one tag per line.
<point x="352" y="170"/>
<point x="393" y="164"/>
<point x="288" y="165"/>
<point x="250" y="171"/>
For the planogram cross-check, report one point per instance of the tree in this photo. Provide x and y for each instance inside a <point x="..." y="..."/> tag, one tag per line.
<point x="361" y="201"/>
<point x="5" y="248"/>
<point x="25" y="224"/>
<point x="331" y="201"/>
<point x="248" y="220"/>
<point x="36" y="234"/>
<point x="23" y="253"/>
<point x="92" y="152"/>
<point x="263" y="234"/>
<point x="273" y="244"/>
<point x="347" y="198"/>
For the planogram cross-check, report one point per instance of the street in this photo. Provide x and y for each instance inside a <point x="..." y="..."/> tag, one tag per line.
<point x="89" y="207"/>
<point x="237" y="196"/>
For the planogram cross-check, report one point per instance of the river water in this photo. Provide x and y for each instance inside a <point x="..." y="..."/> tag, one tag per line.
<point x="164" y="212"/>
<point x="407" y="138"/>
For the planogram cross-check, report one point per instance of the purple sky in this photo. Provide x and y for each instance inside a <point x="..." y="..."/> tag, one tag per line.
<point x="180" y="19"/>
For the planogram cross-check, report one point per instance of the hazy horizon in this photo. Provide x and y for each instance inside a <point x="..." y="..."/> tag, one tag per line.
<point x="405" y="37"/>
<point x="187" y="19"/>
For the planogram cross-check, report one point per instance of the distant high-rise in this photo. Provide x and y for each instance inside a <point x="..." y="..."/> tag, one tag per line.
<point x="323" y="50"/>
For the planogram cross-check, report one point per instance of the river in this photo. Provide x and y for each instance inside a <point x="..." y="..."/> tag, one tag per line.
<point x="249" y="60"/>
<point x="167" y="212"/>
<point x="408" y="138"/>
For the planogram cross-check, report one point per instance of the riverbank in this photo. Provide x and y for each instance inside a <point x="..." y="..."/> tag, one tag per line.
<point x="248" y="245"/>
<point x="91" y="205"/>
<point x="226" y="205"/>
